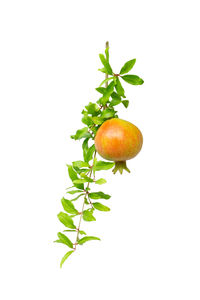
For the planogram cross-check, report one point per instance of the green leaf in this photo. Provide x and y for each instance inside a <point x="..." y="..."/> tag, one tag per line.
<point x="70" y="187"/>
<point x="99" y="195"/>
<point x="106" y="80"/>
<point x="69" y="206"/>
<point x="73" y="176"/>
<point x="87" y="238"/>
<point x="87" y="152"/>
<point x="87" y="178"/>
<point x="90" y="152"/>
<point x="127" y="66"/>
<point x="108" y="91"/>
<point x="88" y="216"/>
<point x="104" y="165"/>
<point x="82" y="232"/>
<point x="94" y="166"/>
<point x="74" y="199"/>
<point x="66" y="220"/>
<point x="81" y="133"/>
<point x="107" y="53"/>
<point x="100" y="181"/>
<point x="65" y="257"/>
<point x="83" y="170"/>
<point x="65" y="240"/>
<point x="58" y="241"/>
<point x="103" y="70"/>
<point x="85" y="148"/>
<point x="94" y="129"/>
<point x="115" y="96"/>
<point x="100" y="206"/>
<point x="97" y="120"/>
<point x="93" y="109"/>
<point x="74" y="192"/>
<point x="79" y="181"/>
<point x="108" y="113"/>
<point x="119" y="88"/>
<point x="73" y="230"/>
<point x="125" y="103"/>
<point x="106" y="64"/>
<point x="115" y="102"/>
<point x="133" y="79"/>
<point x="80" y="164"/>
<point x="101" y="90"/>
<point x="87" y="120"/>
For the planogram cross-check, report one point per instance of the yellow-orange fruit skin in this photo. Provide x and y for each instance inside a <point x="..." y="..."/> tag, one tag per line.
<point x="118" y="140"/>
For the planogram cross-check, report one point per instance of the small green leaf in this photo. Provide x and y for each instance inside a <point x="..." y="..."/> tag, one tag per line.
<point x="97" y="120"/>
<point x="115" y="102"/>
<point x="108" y="113"/>
<point x="66" y="220"/>
<point x="88" y="216"/>
<point x="65" y="240"/>
<point x="74" y="199"/>
<point x="133" y="79"/>
<point x="87" y="238"/>
<point x="70" y="186"/>
<point x="99" y="195"/>
<point x="119" y="88"/>
<point x="73" y="230"/>
<point x="103" y="70"/>
<point x="125" y="103"/>
<point x="73" y="176"/>
<point x="94" y="129"/>
<point x="87" y="178"/>
<point x="109" y="90"/>
<point x="115" y="96"/>
<point x="65" y="257"/>
<point x="100" y="206"/>
<point x="82" y="232"/>
<point x="74" y="192"/>
<point x="90" y="152"/>
<point x="80" y="164"/>
<point x="127" y="66"/>
<point x="72" y="173"/>
<point x="81" y="133"/>
<point x="69" y="206"/>
<point x="104" y="165"/>
<point x="100" y="181"/>
<point x="107" y="53"/>
<point x="83" y="170"/>
<point x="106" y="64"/>
<point x="93" y="109"/>
<point x="58" y="241"/>
<point x="94" y="166"/>
<point x="77" y="181"/>
<point x="85" y="148"/>
<point x="106" y="80"/>
<point x="101" y="90"/>
<point x="87" y="120"/>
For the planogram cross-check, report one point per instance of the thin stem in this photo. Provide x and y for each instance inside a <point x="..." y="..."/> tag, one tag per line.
<point x="90" y="175"/>
<point x="81" y="214"/>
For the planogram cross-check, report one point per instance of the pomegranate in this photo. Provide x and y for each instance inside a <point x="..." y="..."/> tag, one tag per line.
<point x="118" y="140"/>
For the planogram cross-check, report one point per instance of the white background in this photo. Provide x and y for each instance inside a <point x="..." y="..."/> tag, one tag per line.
<point x="48" y="71"/>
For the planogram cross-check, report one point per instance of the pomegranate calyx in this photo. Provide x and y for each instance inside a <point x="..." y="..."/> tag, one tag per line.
<point x="120" y="166"/>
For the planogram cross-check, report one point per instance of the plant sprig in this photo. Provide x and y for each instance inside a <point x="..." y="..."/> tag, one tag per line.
<point x="83" y="172"/>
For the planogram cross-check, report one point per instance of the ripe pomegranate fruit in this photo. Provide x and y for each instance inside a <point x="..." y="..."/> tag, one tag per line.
<point x="118" y="140"/>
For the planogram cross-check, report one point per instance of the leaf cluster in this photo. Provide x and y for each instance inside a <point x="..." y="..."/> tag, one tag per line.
<point x="83" y="172"/>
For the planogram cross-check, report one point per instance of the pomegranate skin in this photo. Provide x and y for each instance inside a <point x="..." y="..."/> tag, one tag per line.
<point x="118" y="140"/>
